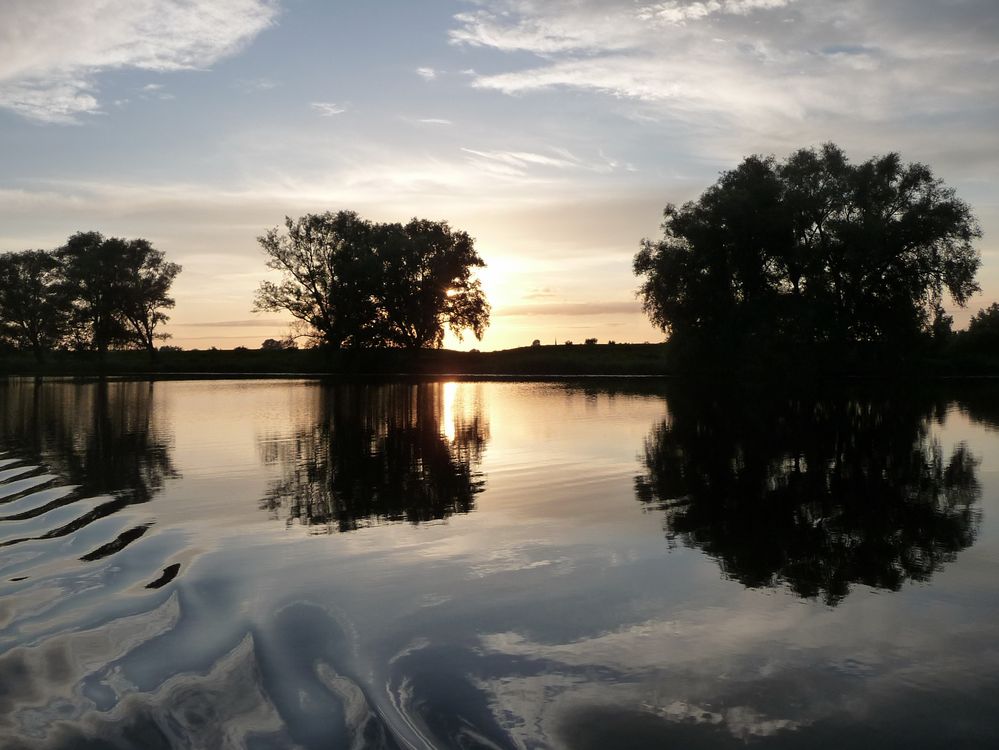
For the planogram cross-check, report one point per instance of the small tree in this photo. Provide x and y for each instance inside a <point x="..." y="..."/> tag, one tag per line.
<point x="275" y="345"/>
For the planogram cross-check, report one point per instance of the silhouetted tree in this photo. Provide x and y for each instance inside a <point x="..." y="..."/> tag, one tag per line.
<point x="148" y="278"/>
<point x="812" y="249"/>
<point x="817" y="494"/>
<point x="34" y="308"/>
<point x="328" y="268"/>
<point x="272" y="345"/>
<point x="427" y="283"/>
<point x="119" y="288"/>
<point x="983" y="329"/>
<point x="355" y="283"/>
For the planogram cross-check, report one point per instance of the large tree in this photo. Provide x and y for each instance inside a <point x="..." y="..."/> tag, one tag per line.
<point x="34" y="308"/>
<point x="428" y="283"/>
<point x="119" y="290"/>
<point x="146" y="294"/>
<point x="356" y="283"/>
<point x="327" y="263"/>
<point x="811" y="249"/>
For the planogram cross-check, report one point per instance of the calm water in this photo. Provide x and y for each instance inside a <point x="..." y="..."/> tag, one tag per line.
<point x="271" y="564"/>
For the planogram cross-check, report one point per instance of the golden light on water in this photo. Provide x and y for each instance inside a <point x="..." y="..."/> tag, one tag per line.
<point x="449" y="395"/>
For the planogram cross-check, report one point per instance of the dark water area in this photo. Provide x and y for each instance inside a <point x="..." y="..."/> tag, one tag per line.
<point x="616" y="564"/>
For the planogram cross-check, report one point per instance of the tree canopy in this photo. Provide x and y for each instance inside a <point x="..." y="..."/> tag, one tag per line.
<point x="34" y="306"/>
<point x="810" y="249"/>
<point x="94" y="293"/>
<point x="356" y="283"/>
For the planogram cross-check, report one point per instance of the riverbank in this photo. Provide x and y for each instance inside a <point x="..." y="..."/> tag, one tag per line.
<point x="531" y="361"/>
<point x="583" y="359"/>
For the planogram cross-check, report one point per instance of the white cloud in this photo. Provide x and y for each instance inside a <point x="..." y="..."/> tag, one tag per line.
<point x="327" y="109"/>
<point x="522" y="159"/>
<point x="772" y="73"/>
<point x="428" y="74"/>
<point x="675" y="12"/>
<point x="435" y="121"/>
<point x="55" y="50"/>
<point x="514" y="163"/>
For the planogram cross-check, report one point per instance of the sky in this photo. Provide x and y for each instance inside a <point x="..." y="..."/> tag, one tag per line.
<point x="552" y="131"/>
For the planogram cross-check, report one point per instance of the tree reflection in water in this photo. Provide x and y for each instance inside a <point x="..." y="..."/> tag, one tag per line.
<point x="817" y="494"/>
<point x="396" y="452"/>
<point x="102" y="436"/>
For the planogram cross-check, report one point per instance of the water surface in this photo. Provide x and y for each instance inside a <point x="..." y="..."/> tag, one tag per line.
<point x="272" y="564"/>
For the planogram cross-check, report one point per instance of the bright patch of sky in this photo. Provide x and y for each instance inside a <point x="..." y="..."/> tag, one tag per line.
<point x="553" y="131"/>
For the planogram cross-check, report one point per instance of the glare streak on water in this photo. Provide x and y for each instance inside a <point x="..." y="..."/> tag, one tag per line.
<point x="501" y="565"/>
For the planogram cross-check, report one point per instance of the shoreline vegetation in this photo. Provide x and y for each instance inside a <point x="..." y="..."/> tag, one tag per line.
<point x="780" y="271"/>
<point x="547" y="361"/>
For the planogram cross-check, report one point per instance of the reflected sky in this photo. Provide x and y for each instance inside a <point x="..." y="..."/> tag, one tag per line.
<point x="492" y="569"/>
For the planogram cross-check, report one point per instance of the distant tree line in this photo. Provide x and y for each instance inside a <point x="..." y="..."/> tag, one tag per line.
<point x="353" y="283"/>
<point x="94" y="293"/>
<point x="811" y="250"/>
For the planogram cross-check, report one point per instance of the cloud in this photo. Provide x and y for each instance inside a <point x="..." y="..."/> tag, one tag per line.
<point x="54" y="51"/>
<point x="769" y="72"/>
<point x="674" y="12"/>
<point x="518" y="160"/>
<point x="327" y="109"/>
<point x="261" y="323"/>
<point x="253" y="85"/>
<point x="515" y="163"/>
<point x="427" y="74"/>
<point x="435" y="121"/>
<point x="570" y="308"/>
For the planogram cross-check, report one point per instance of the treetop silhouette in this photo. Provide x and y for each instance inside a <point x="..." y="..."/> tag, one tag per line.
<point x="811" y="249"/>
<point x="355" y="283"/>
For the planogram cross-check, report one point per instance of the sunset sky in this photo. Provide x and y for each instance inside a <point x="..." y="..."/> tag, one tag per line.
<point x="554" y="132"/>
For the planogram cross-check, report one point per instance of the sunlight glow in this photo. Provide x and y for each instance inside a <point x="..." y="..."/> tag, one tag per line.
<point x="449" y="393"/>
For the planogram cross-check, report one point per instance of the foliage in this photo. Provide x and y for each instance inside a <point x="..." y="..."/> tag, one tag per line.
<point x="355" y="283"/>
<point x="427" y="282"/>
<point x="34" y="309"/>
<point x="272" y="345"/>
<point x="327" y="264"/>
<point x="983" y="329"/>
<point x="93" y="293"/>
<point x="145" y="294"/>
<point x="119" y="289"/>
<point x="812" y="249"/>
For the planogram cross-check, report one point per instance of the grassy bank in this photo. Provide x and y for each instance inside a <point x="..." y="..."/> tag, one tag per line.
<point x="597" y="359"/>
<point x="533" y="361"/>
